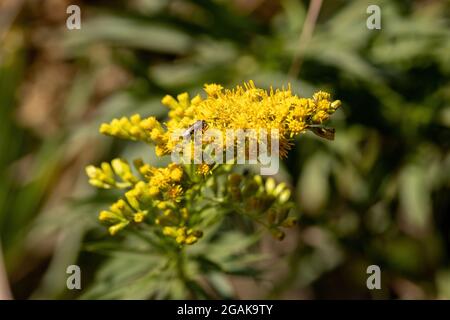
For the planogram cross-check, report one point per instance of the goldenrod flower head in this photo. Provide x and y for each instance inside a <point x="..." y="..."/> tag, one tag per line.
<point x="248" y="107"/>
<point x="153" y="191"/>
<point x="183" y="235"/>
<point x="161" y="205"/>
<point x="167" y="198"/>
<point x="170" y="102"/>
<point x="174" y="193"/>
<point x="123" y="170"/>
<point x="99" y="177"/>
<point x="105" y="176"/>
<point x="203" y="169"/>
<point x="270" y="185"/>
<point x="161" y="150"/>
<point x="134" y="128"/>
<point x="120" y="207"/>
<point x="139" y="217"/>
<point x="184" y="214"/>
<point x="170" y="231"/>
<point x="213" y="89"/>
<point x="284" y="196"/>
<point x="176" y="172"/>
<point x="108" y="216"/>
<point x="117" y="227"/>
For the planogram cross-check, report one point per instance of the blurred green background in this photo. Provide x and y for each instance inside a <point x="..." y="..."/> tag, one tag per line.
<point x="378" y="194"/>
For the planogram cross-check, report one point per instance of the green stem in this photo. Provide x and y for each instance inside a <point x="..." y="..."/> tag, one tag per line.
<point x="147" y="239"/>
<point x="179" y="260"/>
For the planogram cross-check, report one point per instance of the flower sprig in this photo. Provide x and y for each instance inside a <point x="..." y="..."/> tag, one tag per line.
<point x="170" y="200"/>
<point x="245" y="107"/>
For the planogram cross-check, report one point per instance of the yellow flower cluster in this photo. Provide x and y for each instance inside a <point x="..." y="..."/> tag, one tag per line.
<point x="204" y="169"/>
<point x="248" y="107"/>
<point x="134" y="128"/>
<point x="183" y="235"/>
<point x="245" y="107"/>
<point x="158" y="191"/>
<point x="160" y="197"/>
<point x="162" y="180"/>
<point x="105" y="176"/>
<point x="119" y="215"/>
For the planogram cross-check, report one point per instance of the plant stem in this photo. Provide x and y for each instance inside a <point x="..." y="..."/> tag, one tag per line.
<point x="180" y="264"/>
<point x="305" y="36"/>
<point x="5" y="292"/>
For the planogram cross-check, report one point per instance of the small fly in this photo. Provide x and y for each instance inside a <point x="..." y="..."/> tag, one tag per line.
<point x="323" y="132"/>
<point x="198" y="125"/>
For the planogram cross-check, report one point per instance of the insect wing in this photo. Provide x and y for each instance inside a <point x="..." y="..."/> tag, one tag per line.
<point x="196" y="126"/>
<point x="327" y="133"/>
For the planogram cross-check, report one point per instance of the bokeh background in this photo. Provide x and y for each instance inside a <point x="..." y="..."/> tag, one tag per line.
<point x="378" y="194"/>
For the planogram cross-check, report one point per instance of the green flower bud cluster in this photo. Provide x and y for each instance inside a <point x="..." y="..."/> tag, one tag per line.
<point x="266" y="202"/>
<point x="119" y="215"/>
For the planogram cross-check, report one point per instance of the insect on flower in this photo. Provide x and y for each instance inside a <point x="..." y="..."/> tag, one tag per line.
<point x="198" y="125"/>
<point x="169" y="191"/>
